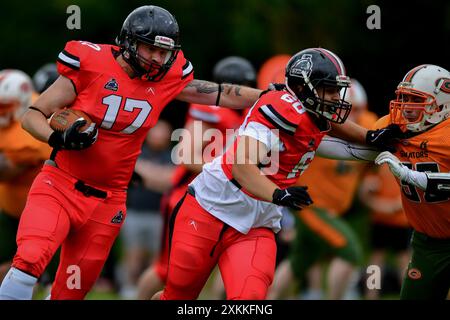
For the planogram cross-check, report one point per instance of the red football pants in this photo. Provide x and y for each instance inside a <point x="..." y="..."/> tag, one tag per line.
<point x="56" y="213"/>
<point x="199" y="242"/>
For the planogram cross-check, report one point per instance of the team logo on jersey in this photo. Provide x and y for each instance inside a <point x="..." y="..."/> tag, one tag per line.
<point x="193" y="224"/>
<point x="424" y="145"/>
<point x="305" y="64"/>
<point x="118" y="217"/>
<point x="151" y="90"/>
<point x="112" y="85"/>
<point x="414" y="274"/>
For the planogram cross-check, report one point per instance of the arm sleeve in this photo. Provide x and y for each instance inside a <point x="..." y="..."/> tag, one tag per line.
<point x="338" y="149"/>
<point x="438" y="183"/>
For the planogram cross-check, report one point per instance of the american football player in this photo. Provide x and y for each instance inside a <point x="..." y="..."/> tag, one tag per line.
<point x="421" y="164"/>
<point x="230" y="212"/>
<point x="322" y="233"/>
<point x="21" y="157"/>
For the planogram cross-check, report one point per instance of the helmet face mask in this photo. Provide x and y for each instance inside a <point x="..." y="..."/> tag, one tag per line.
<point x="422" y="99"/>
<point x="313" y="75"/>
<point x="154" y="26"/>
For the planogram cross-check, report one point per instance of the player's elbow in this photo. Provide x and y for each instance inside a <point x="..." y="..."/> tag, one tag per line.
<point x="239" y="172"/>
<point x="25" y="121"/>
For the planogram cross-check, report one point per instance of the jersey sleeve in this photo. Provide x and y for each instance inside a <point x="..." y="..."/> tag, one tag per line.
<point x="70" y="63"/>
<point x="278" y="110"/>
<point x="271" y="117"/>
<point x="179" y="75"/>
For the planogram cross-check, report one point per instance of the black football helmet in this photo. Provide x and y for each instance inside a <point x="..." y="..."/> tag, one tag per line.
<point x="44" y="77"/>
<point x="313" y="68"/>
<point x="151" y="25"/>
<point x="235" y="70"/>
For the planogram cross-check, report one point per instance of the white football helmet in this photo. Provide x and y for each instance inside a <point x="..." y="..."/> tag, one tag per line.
<point x="16" y="90"/>
<point x="423" y="98"/>
<point x="356" y="95"/>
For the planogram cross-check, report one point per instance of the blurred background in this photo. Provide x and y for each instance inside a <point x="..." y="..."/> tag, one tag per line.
<point x="412" y="33"/>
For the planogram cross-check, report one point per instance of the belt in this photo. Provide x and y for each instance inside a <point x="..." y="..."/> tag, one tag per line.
<point x="90" y="191"/>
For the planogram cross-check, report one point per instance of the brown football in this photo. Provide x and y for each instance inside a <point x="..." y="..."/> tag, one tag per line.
<point x="64" y="118"/>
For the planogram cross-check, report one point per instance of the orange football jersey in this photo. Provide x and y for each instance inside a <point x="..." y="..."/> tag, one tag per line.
<point x="428" y="151"/>
<point x="21" y="149"/>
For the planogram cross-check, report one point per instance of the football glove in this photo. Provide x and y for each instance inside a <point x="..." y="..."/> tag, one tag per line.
<point x="384" y="138"/>
<point x="293" y="197"/>
<point x="72" y="138"/>
<point x="403" y="173"/>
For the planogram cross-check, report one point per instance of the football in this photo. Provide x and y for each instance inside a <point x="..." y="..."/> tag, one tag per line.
<point x="64" y="118"/>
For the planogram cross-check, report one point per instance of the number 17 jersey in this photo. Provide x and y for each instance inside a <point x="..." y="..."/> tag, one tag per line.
<point x="123" y="109"/>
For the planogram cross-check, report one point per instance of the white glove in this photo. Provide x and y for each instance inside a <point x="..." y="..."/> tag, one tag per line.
<point x="403" y="173"/>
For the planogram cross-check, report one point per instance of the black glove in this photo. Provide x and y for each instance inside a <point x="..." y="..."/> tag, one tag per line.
<point x="384" y="138"/>
<point x="72" y="138"/>
<point x="273" y="87"/>
<point x="293" y="197"/>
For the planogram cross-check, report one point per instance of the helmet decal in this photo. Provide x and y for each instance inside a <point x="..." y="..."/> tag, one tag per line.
<point x="305" y="65"/>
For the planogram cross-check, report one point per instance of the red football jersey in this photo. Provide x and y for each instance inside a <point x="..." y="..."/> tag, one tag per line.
<point x="217" y="117"/>
<point x="123" y="109"/>
<point x="298" y="136"/>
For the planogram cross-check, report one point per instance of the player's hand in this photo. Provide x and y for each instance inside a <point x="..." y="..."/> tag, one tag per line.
<point x="396" y="167"/>
<point x="384" y="138"/>
<point x="402" y="172"/>
<point x="273" y="87"/>
<point x="72" y="138"/>
<point x="293" y="197"/>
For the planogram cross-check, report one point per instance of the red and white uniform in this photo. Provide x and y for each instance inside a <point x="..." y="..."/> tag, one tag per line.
<point x="225" y="225"/>
<point x="280" y="122"/>
<point x="56" y="212"/>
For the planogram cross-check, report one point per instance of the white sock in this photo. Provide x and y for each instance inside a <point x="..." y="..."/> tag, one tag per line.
<point x="17" y="285"/>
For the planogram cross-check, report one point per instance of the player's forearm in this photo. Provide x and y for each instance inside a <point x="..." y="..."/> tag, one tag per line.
<point x="337" y="149"/>
<point x="37" y="125"/>
<point x="238" y="97"/>
<point x="252" y="180"/>
<point x="230" y="95"/>
<point x="349" y="131"/>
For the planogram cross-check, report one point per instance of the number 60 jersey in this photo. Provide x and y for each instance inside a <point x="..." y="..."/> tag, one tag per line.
<point x="123" y="109"/>
<point x="428" y="151"/>
<point x="282" y="124"/>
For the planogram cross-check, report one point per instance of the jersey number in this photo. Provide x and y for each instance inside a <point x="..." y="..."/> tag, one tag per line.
<point x="114" y="101"/>
<point x="410" y="191"/>
<point x="301" y="166"/>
